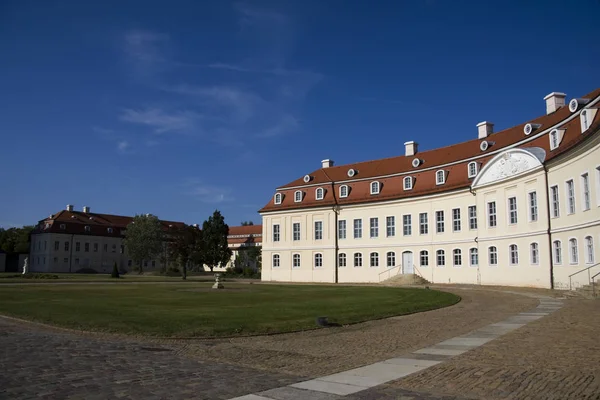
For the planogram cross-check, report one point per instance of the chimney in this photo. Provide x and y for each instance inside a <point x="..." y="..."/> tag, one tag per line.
<point x="410" y="148"/>
<point x="69" y="207"/>
<point x="554" y="101"/>
<point x="327" y="163"/>
<point x="86" y="209"/>
<point x="485" y="129"/>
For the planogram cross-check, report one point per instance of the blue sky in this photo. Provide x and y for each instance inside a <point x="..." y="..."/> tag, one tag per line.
<point x="178" y="108"/>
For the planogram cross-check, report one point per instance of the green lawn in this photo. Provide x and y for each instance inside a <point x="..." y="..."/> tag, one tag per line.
<point x="193" y="309"/>
<point x="14" y="277"/>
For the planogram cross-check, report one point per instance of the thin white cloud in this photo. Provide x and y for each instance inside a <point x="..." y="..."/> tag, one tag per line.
<point x="196" y="188"/>
<point x="145" y="51"/>
<point x="123" y="146"/>
<point x="250" y="15"/>
<point x="161" y="121"/>
<point x="287" y="124"/>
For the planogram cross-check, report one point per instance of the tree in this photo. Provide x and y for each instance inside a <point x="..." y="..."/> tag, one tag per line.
<point x="247" y="223"/>
<point x="185" y="246"/>
<point x="15" y="240"/>
<point x="115" y="271"/>
<point x="215" y="251"/>
<point x="143" y="238"/>
<point x="254" y="254"/>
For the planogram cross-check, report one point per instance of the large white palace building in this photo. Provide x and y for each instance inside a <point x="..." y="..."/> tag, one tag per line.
<point x="516" y="207"/>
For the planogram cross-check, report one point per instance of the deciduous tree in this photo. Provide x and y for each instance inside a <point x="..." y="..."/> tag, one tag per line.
<point x="215" y="251"/>
<point x="186" y="247"/>
<point x="143" y="238"/>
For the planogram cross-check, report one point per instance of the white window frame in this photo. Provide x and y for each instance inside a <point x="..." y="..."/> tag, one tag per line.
<point x="343" y="191"/>
<point x="294" y="225"/>
<point x="473" y="169"/>
<point x="513" y="254"/>
<point x="554" y="139"/>
<point x="557" y="251"/>
<point x="532" y="206"/>
<point x="296" y="256"/>
<point x="278" y="198"/>
<point x="390" y="257"/>
<point x="298" y="196"/>
<point x="344" y="224"/>
<point x="492" y="255"/>
<point x="586" y="200"/>
<point x="357" y="257"/>
<point x="513" y="212"/>
<point x="344" y="258"/>
<point x="570" y="192"/>
<point x="375" y="187"/>
<point x="407" y="183"/>
<point x="472" y="217"/>
<point x="585" y="124"/>
<point x="276" y="233"/>
<point x="474" y="257"/>
<point x="423" y="225"/>
<point x="456" y="255"/>
<point x="440" y="253"/>
<point x="390" y="226"/>
<point x="276" y="259"/>
<point x="357" y="230"/>
<point x="373" y="227"/>
<point x="573" y="251"/>
<point x="456" y="224"/>
<point x="492" y="217"/>
<point x="534" y="253"/>
<point x="318" y="260"/>
<point x="440" y="177"/>
<point x="424" y="255"/>
<point x="589" y="249"/>
<point x="319" y="193"/>
<point x="555" y="201"/>
<point x="318" y="230"/>
<point x="440" y="223"/>
<point x="407" y="225"/>
<point x="374" y="259"/>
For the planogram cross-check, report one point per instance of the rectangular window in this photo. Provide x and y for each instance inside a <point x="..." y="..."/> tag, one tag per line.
<point x="514" y="254"/>
<point x="585" y="186"/>
<point x="357" y="259"/>
<point x="472" y="217"/>
<point x="296" y="260"/>
<point x="105" y="247"/>
<point x="86" y="247"/>
<point x="439" y="218"/>
<point x="535" y="253"/>
<point x="276" y="233"/>
<point x="571" y="196"/>
<point x="45" y="244"/>
<point x="318" y="260"/>
<point x="492" y="214"/>
<point x="457" y="257"/>
<point x="318" y="230"/>
<point x="296" y="231"/>
<point x="95" y="247"/>
<point x="77" y="261"/>
<point x="122" y="249"/>
<point x="456" y="219"/>
<point x="114" y="248"/>
<point x="512" y="210"/>
<point x="557" y="252"/>
<point x="423" y="224"/>
<point x="407" y="224"/>
<point x="424" y="258"/>
<point x="493" y="255"/>
<point x="555" y="201"/>
<point x="474" y="256"/>
<point x="77" y="246"/>
<point x="153" y="263"/>
<point x="56" y="245"/>
<point x="276" y="261"/>
<point x="342" y="229"/>
<point x="65" y="260"/>
<point x="342" y="260"/>
<point x="374" y="260"/>
<point x="66" y="246"/>
<point x="357" y="228"/>
<point x="374" y="222"/>
<point x="391" y="259"/>
<point x="441" y="258"/>
<point x="390" y="226"/>
<point x="533" y="210"/>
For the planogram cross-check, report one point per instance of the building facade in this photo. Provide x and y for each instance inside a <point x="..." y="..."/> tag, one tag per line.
<point x="517" y="207"/>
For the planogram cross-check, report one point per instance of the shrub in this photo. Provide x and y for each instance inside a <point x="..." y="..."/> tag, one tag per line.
<point x="115" y="271"/>
<point x="86" y="271"/>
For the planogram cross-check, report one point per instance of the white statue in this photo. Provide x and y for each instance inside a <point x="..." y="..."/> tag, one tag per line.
<point x="218" y="284"/>
<point x="25" y="265"/>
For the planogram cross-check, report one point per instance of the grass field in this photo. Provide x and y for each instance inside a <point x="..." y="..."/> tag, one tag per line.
<point x="194" y="309"/>
<point x="14" y="277"/>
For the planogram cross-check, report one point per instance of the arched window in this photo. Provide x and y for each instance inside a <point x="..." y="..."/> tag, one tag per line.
<point x="391" y="259"/>
<point x="318" y="260"/>
<point x="557" y="250"/>
<point x="343" y="191"/>
<point x="375" y="187"/>
<point x="357" y="259"/>
<point x="534" y="249"/>
<point x="298" y="196"/>
<point x="342" y="260"/>
<point x="374" y="258"/>
<point x="319" y="193"/>
<point x="440" y="177"/>
<point x="408" y="183"/>
<point x="276" y="260"/>
<point x="493" y="255"/>
<point x="474" y="257"/>
<point x="457" y="257"/>
<point x="573" y="251"/>
<point x="296" y="261"/>
<point x="589" y="246"/>
<point x="277" y="198"/>
<point x="424" y="256"/>
<point x="473" y="169"/>
<point x="441" y="258"/>
<point x="514" y="254"/>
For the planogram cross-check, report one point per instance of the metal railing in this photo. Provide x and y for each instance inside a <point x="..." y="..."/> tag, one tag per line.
<point x="593" y="285"/>
<point x="580" y="271"/>
<point x="389" y="272"/>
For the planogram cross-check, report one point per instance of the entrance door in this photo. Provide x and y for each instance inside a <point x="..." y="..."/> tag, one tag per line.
<point x="407" y="263"/>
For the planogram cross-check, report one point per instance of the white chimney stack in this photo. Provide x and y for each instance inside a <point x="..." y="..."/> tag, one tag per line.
<point x="554" y="101"/>
<point x="327" y="163"/>
<point x="410" y="148"/>
<point x="69" y="207"/>
<point x="86" y="209"/>
<point x="484" y="129"/>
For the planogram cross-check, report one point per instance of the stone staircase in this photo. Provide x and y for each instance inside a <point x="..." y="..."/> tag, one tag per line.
<point x="587" y="291"/>
<point x="404" y="280"/>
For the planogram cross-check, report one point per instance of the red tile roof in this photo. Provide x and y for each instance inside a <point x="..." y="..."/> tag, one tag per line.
<point x="245" y="230"/>
<point x="391" y="171"/>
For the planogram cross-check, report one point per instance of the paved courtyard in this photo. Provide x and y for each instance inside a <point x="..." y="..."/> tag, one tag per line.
<point x="551" y="357"/>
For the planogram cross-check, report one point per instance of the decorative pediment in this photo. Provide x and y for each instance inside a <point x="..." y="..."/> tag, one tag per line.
<point x="509" y="164"/>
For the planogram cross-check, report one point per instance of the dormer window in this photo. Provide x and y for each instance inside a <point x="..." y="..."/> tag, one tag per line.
<point x="343" y="191"/>
<point x="109" y="230"/>
<point x="277" y="199"/>
<point x="375" y="187"/>
<point x="87" y="228"/>
<point x="554" y="139"/>
<point x="584" y="121"/>
<point x="408" y="183"/>
<point x="319" y="193"/>
<point x="63" y="226"/>
<point x="298" y="196"/>
<point x="440" y="177"/>
<point x="473" y="167"/>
